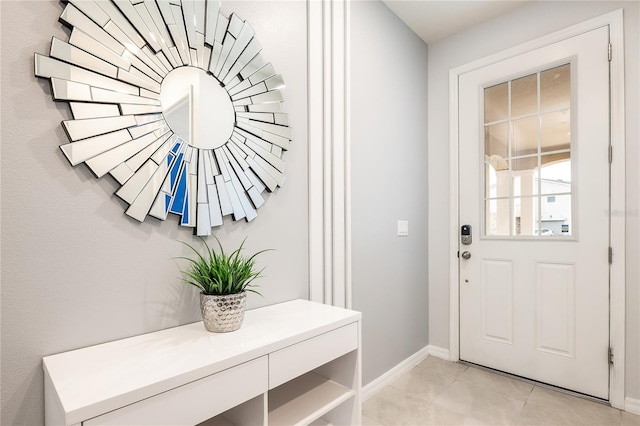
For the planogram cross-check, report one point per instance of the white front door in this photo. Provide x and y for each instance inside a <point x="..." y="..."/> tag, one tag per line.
<point x="534" y="188"/>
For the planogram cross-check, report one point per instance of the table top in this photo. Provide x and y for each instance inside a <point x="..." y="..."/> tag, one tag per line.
<point x="96" y="379"/>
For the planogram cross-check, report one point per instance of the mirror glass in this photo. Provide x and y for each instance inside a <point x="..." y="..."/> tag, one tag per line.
<point x="174" y="101"/>
<point x="197" y="108"/>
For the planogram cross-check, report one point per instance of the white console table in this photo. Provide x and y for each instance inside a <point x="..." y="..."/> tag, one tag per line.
<point x="294" y="363"/>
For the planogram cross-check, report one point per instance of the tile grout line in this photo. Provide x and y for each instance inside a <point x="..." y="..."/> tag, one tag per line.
<point x="529" y="396"/>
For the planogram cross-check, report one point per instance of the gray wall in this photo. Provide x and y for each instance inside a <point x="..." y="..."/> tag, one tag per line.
<point x="75" y="270"/>
<point x="389" y="182"/>
<point x="527" y="23"/>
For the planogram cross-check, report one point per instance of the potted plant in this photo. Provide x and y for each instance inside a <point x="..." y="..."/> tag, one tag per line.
<point x="223" y="280"/>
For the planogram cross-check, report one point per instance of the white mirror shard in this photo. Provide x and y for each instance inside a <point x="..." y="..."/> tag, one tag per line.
<point x="175" y="102"/>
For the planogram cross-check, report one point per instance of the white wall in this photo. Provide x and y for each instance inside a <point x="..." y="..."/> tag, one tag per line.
<point x="75" y="270"/>
<point x="389" y="182"/>
<point x="524" y="24"/>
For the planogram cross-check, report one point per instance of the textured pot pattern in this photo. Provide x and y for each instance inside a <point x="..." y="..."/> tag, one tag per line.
<point x="222" y="314"/>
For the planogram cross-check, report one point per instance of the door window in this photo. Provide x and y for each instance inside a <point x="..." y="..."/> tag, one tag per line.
<point x="527" y="155"/>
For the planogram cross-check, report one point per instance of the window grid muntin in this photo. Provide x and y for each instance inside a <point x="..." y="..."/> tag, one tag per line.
<point x="539" y="155"/>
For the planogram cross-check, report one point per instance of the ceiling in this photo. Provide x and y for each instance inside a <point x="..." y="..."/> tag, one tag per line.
<point x="434" y="20"/>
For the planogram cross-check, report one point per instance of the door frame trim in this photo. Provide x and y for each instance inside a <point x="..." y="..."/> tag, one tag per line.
<point x="617" y="298"/>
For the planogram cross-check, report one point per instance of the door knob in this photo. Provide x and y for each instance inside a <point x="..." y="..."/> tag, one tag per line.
<point x="466" y="255"/>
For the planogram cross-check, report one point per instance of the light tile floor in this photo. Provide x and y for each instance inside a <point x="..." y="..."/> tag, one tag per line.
<point x="438" y="392"/>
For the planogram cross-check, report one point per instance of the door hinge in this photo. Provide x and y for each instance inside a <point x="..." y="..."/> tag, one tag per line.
<point x="610" y="51"/>
<point x="610" y="355"/>
<point x="610" y="153"/>
<point x="610" y="255"/>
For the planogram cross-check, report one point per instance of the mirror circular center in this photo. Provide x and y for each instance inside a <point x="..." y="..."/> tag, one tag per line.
<point x="197" y="108"/>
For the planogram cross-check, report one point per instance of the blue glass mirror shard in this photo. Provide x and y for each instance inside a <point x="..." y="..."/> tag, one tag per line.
<point x="113" y="72"/>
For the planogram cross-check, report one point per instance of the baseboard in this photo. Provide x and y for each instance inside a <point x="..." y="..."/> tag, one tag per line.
<point x="390" y="376"/>
<point x="632" y="405"/>
<point x="438" y="352"/>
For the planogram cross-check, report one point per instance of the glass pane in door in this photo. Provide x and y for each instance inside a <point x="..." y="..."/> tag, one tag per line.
<point x="555" y="215"/>
<point x="555" y="88"/>
<point x="496" y="141"/>
<point x="525" y="136"/>
<point x="527" y="155"/>
<point x="497" y="217"/>
<point x="524" y="96"/>
<point x="496" y="103"/>
<point x="555" y="131"/>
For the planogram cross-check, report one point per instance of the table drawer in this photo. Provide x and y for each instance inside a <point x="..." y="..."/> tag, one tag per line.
<point x="302" y="357"/>
<point x="194" y="402"/>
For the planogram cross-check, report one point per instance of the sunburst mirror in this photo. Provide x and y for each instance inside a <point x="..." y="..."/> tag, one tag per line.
<point x="173" y="100"/>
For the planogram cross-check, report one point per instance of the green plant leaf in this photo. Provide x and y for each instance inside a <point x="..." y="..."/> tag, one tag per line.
<point x="221" y="273"/>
